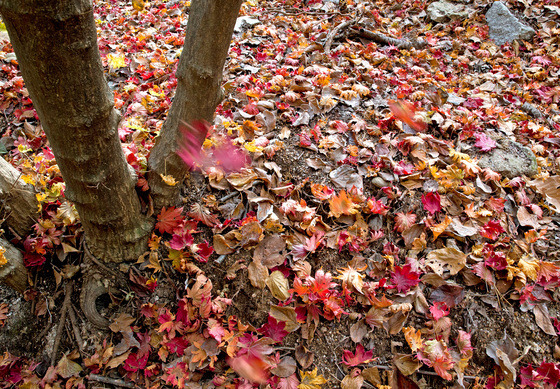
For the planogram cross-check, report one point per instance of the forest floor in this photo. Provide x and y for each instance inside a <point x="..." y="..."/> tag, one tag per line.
<point x="397" y="225"/>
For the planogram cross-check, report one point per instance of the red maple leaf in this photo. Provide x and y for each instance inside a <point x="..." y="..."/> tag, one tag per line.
<point x="432" y="202"/>
<point x="357" y="358"/>
<point x="403" y="278"/>
<point x="492" y="230"/>
<point x="169" y="219"/>
<point x="274" y="329"/>
<point x="550" y="373"/>
<point x="439" y="310"/>
<point x="483" y="142"/>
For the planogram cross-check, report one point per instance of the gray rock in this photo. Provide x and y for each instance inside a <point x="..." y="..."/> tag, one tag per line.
<point x="442" y="11"/>
<point x="504" y="27"/>
<point x="510" y="159"/>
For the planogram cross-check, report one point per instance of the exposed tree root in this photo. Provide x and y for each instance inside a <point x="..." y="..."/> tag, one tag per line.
<point x="92" y="288"/>
<point x="61" y="324"/>
<point x="400" y="43"/>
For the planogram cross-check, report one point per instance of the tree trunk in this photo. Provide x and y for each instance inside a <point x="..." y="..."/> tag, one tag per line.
<point x="199" y="76"/>
<point x="56" y="46"/>
<point x="12" y="270"/>
<point x="18" y="200"/>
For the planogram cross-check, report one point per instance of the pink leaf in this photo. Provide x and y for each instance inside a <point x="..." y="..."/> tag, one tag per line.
<point x="432" y="202"/>
<point x="483" y="142"/>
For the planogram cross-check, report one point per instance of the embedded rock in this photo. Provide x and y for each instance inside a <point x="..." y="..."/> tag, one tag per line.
<point x="504" y="26"/>
<point x="442" y="11"/>
<point x="510" y="159"/>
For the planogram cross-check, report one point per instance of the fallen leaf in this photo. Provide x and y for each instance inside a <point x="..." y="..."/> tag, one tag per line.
<point x="278" y="285"/>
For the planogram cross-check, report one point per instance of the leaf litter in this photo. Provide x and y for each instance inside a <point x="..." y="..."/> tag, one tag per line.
<point x="362" y="220"/>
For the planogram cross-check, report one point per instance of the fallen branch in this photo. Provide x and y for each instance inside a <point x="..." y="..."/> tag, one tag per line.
<point x="400" y="43"/>
<point x="62" y="322"/>
<point x="111" y="381"/>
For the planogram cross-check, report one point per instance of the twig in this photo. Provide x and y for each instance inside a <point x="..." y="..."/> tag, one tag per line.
<point x="227" y="197"/>
<point x="62" y="322"/>
<point x="425" y="372"/>
<point x="76" y="330"/>
<point x="111" y="381"/>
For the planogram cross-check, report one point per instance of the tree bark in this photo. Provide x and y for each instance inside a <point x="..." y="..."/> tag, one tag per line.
<point x="18" y="199"/>
<point x="55" y="43"/>
<point x="199" y="76"/>
<point x="13" y="272"/>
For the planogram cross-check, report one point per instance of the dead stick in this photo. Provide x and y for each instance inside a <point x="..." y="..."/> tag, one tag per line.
<point x="76" y="330"/>
<point x="111" y="381"/>
<point x="62" y="322"/>
<point x="381" y="367"/>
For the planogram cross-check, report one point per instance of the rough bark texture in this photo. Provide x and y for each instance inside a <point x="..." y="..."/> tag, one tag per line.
<point x="199" y="75"/>
<point x="56" y="46"/>
<point x="13" y="273"/>
<point x="19" y="204"/>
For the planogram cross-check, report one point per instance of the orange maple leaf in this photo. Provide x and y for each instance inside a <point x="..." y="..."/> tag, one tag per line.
<point x="341" y="204"/>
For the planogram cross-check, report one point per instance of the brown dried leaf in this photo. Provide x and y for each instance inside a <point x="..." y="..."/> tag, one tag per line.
<point x="285" y="368"/>
<point x="287" y="315"/>
<point x="354" y="380"/>
<point x="406" y="363"/>
<point x="358" y="331"/>
<point x="222" y="246"/>
<point x="449" y="257"/>
<point x="258" y="274"/>
<point x="271" y="251"/>
<point x="304" y="356"/>
<point x="543" y="319"/>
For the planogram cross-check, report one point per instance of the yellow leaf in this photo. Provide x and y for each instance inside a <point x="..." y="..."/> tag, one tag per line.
<point x="310" y="380"/>
<point x="413" y="338"/>
<point x="278" y="285"/>
<point x="138" y="5"/>
<point x="169" y="180"/>
<point x="116" y="61"/>
<point x="530" y="267"/>
<point x="3" y="259"/>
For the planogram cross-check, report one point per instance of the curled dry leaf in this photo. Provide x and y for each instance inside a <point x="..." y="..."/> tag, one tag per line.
<point x="285" y="368"/>
<point x="258" y="274"/>
<point x="304" y="356"/>
<point x="354" y="380"/>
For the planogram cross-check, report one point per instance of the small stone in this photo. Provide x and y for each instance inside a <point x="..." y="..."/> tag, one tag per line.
<point x="379" y="182"/>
